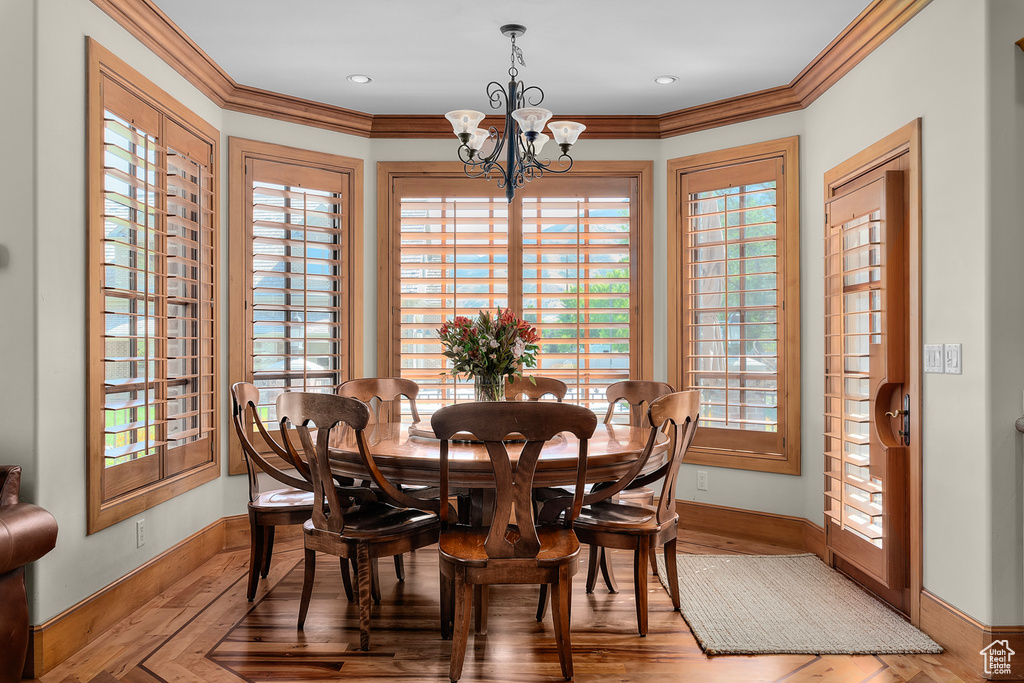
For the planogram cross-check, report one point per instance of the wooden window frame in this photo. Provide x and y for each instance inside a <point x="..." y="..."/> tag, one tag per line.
<point x="788" y="233"/>
<point x="102" y="64"/>
<point x="240" y="152"/>
<point x="388" y="175"/>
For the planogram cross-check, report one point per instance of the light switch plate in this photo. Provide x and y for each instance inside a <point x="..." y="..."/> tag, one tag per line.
<point x="933" y="358"/>
<point x="952" y="356"/>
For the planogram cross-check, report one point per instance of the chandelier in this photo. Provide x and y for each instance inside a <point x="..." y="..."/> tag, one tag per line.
<point x="522" y="139"/>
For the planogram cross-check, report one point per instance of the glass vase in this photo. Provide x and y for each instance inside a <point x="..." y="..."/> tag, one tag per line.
<point x="489" y="387"/>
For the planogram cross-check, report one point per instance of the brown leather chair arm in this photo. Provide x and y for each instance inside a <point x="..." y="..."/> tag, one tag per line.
<point x="27" y="532"/>
<point x="10" y="484"/>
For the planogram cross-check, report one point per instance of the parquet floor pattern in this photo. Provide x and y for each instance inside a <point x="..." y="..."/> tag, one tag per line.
<point x="203" y="629"/>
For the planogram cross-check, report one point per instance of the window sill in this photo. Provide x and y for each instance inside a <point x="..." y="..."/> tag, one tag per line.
<point x="131" y="504"/>
<point x="775" y="463"/>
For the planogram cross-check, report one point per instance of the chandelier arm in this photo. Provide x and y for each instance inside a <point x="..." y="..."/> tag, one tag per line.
<point x="480" y="171"/>
<point x="498" y="145"/>
<point x="464" y="155"/>
<point x="548" y="166"/>
<point x="503" y="178"/>
<point x="497" y="95"/>
<point x="526" y="95"/>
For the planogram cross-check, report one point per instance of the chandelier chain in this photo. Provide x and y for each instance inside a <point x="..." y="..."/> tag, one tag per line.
<point x="517" y="54"/>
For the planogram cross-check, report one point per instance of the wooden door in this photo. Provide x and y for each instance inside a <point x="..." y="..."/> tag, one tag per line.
<point x="867" y="429"/>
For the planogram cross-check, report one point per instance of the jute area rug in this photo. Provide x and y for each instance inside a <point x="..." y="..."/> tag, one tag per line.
<point x="786" y="604"/>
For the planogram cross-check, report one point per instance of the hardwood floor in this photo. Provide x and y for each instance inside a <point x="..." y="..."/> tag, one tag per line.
<point x="202" y="629"/>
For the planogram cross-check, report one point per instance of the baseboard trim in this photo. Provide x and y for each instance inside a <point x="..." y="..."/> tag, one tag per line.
<point x="766" y="527"/>
<point x="60" y="637"/>
<point x="965" y="637"/>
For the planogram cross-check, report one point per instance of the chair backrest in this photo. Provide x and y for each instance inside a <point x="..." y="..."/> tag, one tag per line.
<point x="245" y="396"/>
<point x="533" y="388"/>
<point x="682" y="411"/>
<point x="383" y="395"/>
<point x="491" y="423"/>
<point x="327" y="411"/>
<point x="638" y="394"/>
<point x="677" y="414"/>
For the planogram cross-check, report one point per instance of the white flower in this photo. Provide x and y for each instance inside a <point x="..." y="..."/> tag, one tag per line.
<point x="494" y="356"/>
<point x="494" y="344"/>
<point x="518" y="348"/>
<point x="456" y="349"/>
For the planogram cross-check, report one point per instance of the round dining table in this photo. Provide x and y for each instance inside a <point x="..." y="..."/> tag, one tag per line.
<point x="409" y="454"/>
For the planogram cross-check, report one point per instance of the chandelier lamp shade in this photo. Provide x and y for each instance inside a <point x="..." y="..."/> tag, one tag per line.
<point x="522" y="139"/>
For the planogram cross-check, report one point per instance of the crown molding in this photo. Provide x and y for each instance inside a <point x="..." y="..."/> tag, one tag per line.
<point x="154" y="29"/>
<point x="871" y="28"/>
<point x="435" y="126"/>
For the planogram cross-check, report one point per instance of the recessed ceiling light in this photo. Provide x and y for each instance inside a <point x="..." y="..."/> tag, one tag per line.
<point x="665" y="80"/>
<point x="360" y="78"/>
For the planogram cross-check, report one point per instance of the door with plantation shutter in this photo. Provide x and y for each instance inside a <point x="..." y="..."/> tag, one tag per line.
<point x="866" y="379"/>
<point x="296" y="284"/>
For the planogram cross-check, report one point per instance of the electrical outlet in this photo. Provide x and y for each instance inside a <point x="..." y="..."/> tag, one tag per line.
<point x="140" y="533"/>
<point x="702" y="480"/>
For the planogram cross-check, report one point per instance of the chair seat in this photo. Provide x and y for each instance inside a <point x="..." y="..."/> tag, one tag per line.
<point x="378" y="522"/>
<point x="464" y="545"/>
<point x="622" y="518"/>
<point x="283" y="498"/>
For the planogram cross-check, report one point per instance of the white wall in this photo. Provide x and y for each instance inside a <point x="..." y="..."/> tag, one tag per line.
<point x="934" y="68"/>
<point x="1005" y="310"/>
<point x="17" y="242"/>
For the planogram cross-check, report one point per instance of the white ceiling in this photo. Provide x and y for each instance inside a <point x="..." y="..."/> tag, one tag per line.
<point x="589" y="56"/>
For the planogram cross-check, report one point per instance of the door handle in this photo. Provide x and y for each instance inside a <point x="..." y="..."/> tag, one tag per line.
<point x="905" y="414"/>
<point x="905" y="432"/>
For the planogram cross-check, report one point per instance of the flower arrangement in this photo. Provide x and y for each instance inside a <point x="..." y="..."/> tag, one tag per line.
<point x="489" y="349"/>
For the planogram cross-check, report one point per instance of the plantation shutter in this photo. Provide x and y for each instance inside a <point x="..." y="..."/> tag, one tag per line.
<point x="299" y="299"/>
<point x="733" y="291"/>
<point x="157" y="292"/>
<point x="578" y="282"/>
<point x="865" y="366"/>
<point x="190" y="300"/>
<point x="453" y="259"/>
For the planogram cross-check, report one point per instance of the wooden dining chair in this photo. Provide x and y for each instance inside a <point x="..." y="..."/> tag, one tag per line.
<point x="637" y="395"/>
<point x="534" y="388"/>
<point x="292" y="504"/>
<point x="383" y="395"/>
<point x="610" y="523"/>
<point x="518" y="552"/>
<point x="350" y="522"/>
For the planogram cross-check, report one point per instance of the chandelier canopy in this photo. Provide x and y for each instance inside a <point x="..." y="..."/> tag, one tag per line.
<point x="522" y="138"/>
